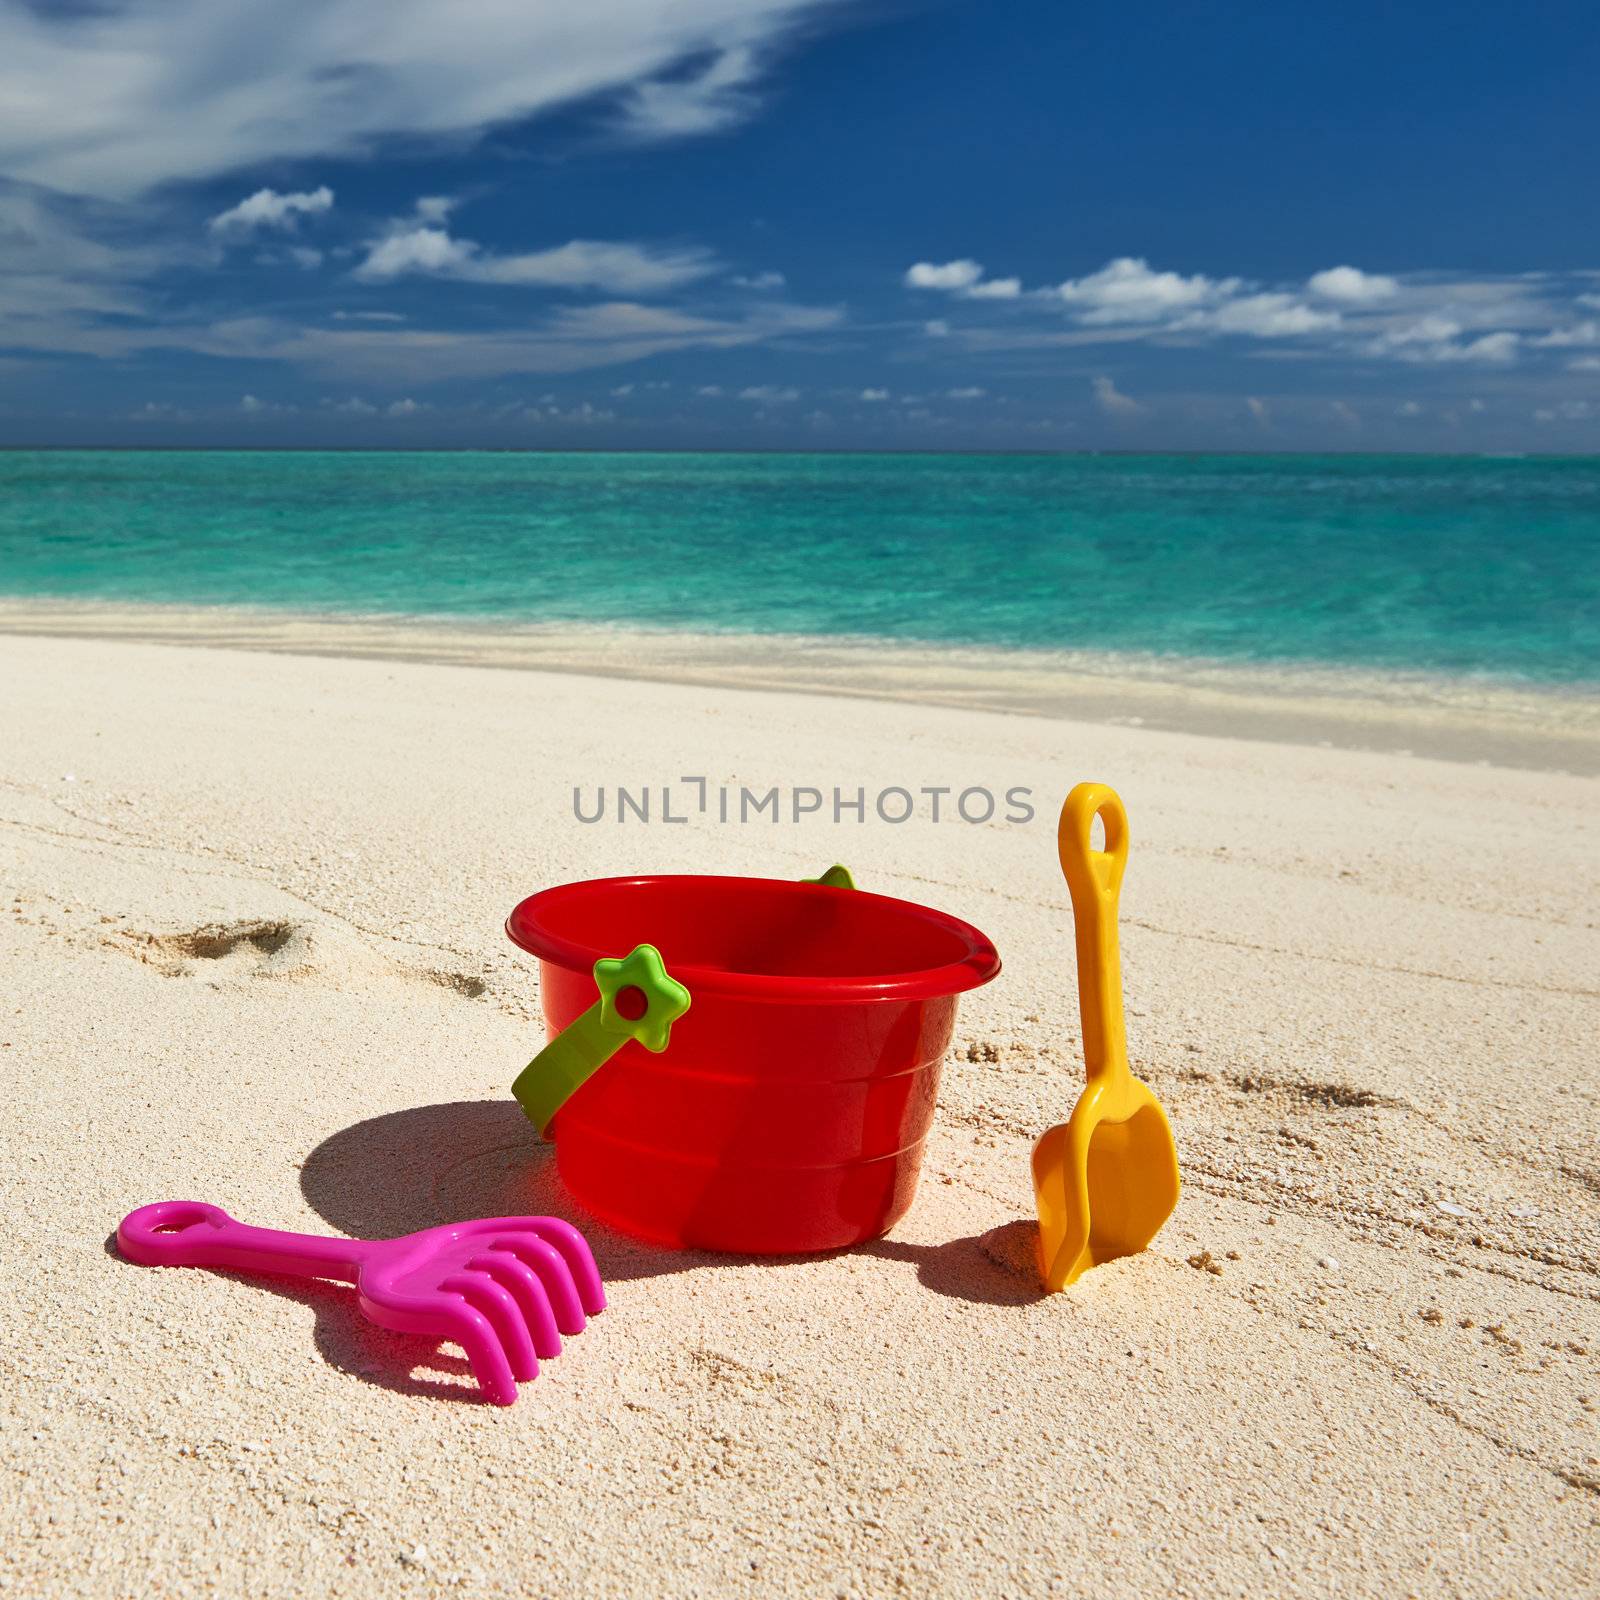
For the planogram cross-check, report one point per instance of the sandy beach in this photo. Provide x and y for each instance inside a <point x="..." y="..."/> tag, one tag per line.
<point x="253" y="954"/>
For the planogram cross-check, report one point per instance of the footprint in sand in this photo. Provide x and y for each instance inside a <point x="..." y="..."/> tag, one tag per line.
<point x="255" y="947"/>
<point x="278" y="947"/>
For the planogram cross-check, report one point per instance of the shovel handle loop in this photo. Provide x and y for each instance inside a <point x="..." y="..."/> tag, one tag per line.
<point x="1095" y="880"/>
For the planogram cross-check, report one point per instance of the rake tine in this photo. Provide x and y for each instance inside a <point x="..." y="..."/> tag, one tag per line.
<point x="504" y="1317"/>
<point x="469" y="1328"/>
<point x="526" y="1287"/>
<point x="554" y="1273"/>
<point x="574" y="1250"/>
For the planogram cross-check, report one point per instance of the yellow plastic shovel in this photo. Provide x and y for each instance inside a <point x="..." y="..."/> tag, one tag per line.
<point x="1108" y="1179"/>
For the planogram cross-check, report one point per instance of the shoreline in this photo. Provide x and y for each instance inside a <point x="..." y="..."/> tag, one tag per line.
<point x="1409" y="714"/>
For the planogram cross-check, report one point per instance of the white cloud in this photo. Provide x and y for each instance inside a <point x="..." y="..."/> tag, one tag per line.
<point x="1565" y="411"/>
<point x="964" y="278"/>
<point x="936" y="328"/>
<point x="769" y="394"/>
<point x="1127" y="290"/>
<point x="353" y="407"/>
<point x="266" y="208"/>
<point x="1352" y="285"/>
<point x="435" y="207"/>
<point x="421" y="250"/>
<point x="572" y="339"/>
<point x="1264" y="316"/>
<point x="63" y="260"/>
<point x="1259" y="409"/>
<point x="1579" y="333"/>
<point x="1492" y="349"/>
<point x="118" y="98"/>
<point x="875" y="396"/>
<point x="304" y="257"/>
<point x="584" y="414"/>
<point x="367" y="316"/>
<point x="1408" y="408"/>
<point x="970" y="392"/>
<point x="996" y="289"/>
<point x="160" y="411"/>
<point x="1112" y="400"/>
<point x="1345" y="413"/>
<point x="951" y="275"/>
<point x="622" y="391"/>
<point x="1430" y="329"/>
<point x="1584" y="364"/>
<point x="1436" y="338"/>
<point x="761" y="280"/>
<point x="612" y="267"/>
<point x="405" y="408"/>
<point x="710" y="391"/>
<point x="1590" y="300"/>
<point x="703" y="101"/>
<point x="1342" y="311"/>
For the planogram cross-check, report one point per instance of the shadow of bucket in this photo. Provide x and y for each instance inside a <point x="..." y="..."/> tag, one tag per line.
<point x="789" y="1110"/>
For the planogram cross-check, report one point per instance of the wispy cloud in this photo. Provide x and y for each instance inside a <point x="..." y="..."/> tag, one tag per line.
<point x="711" y="95"/>
<point x="584" y="414"/>
<point x="1113" y="401"/>
<point x="572" y="339"/>
<point x="63" y="261"/>
<point x="119" y="98"/>
<point x="266" y="208"/>
<point x="612" y="267"/>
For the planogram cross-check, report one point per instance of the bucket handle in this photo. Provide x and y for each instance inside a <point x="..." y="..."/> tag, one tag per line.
<point x="639" y="1001"/>
<point x="836" y="877"/>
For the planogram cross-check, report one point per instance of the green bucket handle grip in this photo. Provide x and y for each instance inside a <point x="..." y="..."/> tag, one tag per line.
<point x="639" y="1001"/>
<point x="836" y="877"/>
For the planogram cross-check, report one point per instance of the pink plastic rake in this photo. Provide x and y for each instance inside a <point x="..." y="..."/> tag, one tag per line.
<point x="503" y="1288"/>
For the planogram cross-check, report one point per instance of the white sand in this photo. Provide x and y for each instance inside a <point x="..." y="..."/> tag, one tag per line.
<point x="1363" y="985"/>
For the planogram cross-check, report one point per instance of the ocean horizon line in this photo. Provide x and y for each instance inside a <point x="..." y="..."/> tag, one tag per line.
<point x="1172" y="452"/>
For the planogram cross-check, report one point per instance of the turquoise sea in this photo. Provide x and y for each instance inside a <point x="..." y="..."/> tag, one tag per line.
<point x="1454" y="565"/>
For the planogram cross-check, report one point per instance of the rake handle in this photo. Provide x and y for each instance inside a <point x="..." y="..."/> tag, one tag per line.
<point x="191" y="1233"/>
<point x="1094" y="878"/>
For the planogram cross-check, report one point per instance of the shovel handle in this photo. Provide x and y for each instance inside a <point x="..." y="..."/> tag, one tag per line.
<point x="1095" y="880"/>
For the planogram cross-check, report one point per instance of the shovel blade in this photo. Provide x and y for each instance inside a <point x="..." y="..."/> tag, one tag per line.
<point x="1103" y="1187"/>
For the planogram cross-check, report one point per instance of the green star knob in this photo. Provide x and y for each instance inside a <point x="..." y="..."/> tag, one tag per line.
<point x="639" y="998"/>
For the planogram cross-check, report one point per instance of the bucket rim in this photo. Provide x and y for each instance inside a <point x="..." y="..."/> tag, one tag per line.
<point x="977" y="965"/>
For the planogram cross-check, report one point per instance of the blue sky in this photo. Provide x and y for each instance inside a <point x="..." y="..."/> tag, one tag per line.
<point x="751" y="223"/>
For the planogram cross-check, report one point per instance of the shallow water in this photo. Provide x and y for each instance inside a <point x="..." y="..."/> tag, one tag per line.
<point x="1452" y="565"/>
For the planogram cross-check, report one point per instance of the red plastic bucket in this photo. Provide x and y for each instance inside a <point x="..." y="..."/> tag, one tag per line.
<point x="789" y="1110"/>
